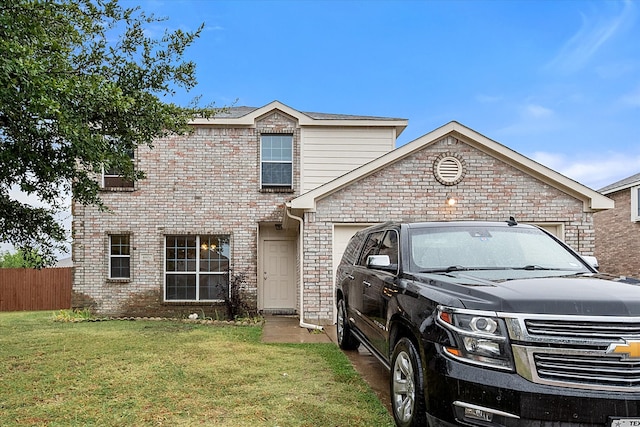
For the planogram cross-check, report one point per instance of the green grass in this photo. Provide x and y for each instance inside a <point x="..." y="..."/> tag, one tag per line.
<point x="164" y="373"/>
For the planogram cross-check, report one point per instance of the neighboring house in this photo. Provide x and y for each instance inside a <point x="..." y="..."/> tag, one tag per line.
<point x="273" y="194"/>
<point x="64" y="262"/>
<point x="618" y="229"/>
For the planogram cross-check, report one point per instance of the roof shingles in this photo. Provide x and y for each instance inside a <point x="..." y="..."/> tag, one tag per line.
<point x="621" y="185"/>
<point x="237" y="112"/>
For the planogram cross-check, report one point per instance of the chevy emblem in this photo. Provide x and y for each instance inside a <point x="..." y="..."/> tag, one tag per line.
<point x="628" y="350"/>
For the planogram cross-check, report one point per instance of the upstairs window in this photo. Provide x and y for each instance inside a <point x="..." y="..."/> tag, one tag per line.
<point x="119" y="256"/>
<point x="112" y="177"/>
<point x="276" y="161"/>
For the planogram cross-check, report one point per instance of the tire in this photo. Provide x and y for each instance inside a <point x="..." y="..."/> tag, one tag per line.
<point x="346" y="340"/>
<point x="407" y="385"/>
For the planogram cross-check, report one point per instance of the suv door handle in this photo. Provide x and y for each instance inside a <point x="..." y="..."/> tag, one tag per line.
<point x="367" y="284"/>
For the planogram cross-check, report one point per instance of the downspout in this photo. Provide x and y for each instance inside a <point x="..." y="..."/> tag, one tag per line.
<point x="301" y="271"/>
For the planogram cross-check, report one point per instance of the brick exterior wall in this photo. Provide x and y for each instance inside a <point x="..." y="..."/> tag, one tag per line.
<point x="617" y="238"/>
<point x="408" y="191"/>
<point x="209" y="183"/>
<point x="204" y="183"/>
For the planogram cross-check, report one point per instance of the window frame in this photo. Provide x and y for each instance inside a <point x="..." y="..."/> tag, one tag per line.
<point x="111" y="256"/>
<point x="111" y="175"/>
<point x="635" y="203"/>
<point x="198" y="273"/>
<point x="393" y="251"/>
<point x="282" y="186"/>
<point x="370" y="246"/>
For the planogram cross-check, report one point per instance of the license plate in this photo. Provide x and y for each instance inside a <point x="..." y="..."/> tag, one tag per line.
<point x="625" y="422"/>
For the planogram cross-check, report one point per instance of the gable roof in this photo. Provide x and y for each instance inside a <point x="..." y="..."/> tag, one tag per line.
<point x="623" y="184"/>
<point x="592" y="200"/>
<point x="247" y="117"/>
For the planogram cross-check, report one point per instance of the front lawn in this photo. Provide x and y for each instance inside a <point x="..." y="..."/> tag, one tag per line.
<point x="171" y="373"/>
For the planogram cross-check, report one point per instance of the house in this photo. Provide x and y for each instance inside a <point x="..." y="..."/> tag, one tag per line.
<point x="268" y="197"/>
<point x="618" y="229"/>
<point x="210" y="211"/>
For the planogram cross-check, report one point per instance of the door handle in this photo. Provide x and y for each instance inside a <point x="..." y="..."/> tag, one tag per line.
<point x="367" y="284"/>
<point x="350" y="277"/>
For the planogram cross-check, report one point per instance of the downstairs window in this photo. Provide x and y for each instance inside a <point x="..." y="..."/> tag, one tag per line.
<point x="119" y="256"/>
<point x="197" y="268"/>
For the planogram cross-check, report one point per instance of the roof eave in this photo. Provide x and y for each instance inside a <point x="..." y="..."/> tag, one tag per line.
<point x="620" y="188"/>
<point x="249" y="119"/>
<point x="592" y="200"/>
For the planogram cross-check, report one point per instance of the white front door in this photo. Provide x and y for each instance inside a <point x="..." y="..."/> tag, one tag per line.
<point x="278" y="275"/>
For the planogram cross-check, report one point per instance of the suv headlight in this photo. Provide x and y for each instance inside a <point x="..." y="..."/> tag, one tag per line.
<point x="480" y="337"/>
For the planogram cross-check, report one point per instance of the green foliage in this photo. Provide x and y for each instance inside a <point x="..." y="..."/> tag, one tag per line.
<point x="81" y="83"/>
<point x="21" y="259"/>
<point x="238" y="306"/>
<point x="76" y="315"/>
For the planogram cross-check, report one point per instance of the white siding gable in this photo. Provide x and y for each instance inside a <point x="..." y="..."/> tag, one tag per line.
<point x="328" y="153"/>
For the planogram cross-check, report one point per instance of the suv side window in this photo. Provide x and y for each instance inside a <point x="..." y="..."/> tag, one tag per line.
<point x="350" y="256"/>
<point x="370" y="247"/>
<point x="389" y="246"/>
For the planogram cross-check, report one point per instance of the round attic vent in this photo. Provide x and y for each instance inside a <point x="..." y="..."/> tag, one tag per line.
<point x="448" y="169"/>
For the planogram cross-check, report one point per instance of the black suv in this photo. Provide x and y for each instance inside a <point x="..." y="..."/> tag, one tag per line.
<point x="491" y="324"/>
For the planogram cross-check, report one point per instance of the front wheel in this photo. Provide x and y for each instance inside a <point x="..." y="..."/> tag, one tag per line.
<point x="346" y="340"/>
<point x="407" y="385"/>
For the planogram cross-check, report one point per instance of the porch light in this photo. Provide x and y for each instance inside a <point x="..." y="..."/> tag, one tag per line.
<point x="451" y="201"/>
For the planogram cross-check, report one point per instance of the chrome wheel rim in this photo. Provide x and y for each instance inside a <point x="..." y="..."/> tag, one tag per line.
<point x="340" y="325"/>
<point x="403" y="387"/>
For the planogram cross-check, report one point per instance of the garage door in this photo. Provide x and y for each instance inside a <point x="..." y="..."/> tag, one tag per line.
<point x="341" y="235"/>
<point x="554" y="228"/>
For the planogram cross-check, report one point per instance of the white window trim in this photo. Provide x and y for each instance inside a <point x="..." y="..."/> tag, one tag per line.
<point x="635" y="199"/>
<point x="106" y="175"/>
<point x="197" y="274"/>
<point x="262" y="161"/>
<point x="110" y="256"/>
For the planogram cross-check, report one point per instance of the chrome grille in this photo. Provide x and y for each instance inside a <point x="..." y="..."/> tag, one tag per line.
<point x="571" y="351"/>
<point x="598" y="330"/>
<point x="588" y="370"/>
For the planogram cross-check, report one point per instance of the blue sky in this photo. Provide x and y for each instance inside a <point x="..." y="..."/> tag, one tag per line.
<point x="557" y="81"/>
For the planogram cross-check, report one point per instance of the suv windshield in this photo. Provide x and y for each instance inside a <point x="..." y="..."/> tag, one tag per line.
<point x="476" y="248"/>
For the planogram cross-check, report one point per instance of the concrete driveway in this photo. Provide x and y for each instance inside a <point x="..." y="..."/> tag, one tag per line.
<point x="373" y="372"/>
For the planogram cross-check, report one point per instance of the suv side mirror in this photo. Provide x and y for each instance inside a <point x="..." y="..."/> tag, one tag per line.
<point x="381" y="262"/>
<point x="378" y="261"/>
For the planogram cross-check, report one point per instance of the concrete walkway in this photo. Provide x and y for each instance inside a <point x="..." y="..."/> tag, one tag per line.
<point x="286" y="329"/>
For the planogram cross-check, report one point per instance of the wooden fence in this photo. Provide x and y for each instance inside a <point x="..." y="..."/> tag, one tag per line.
<point x="24" y="289"/>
